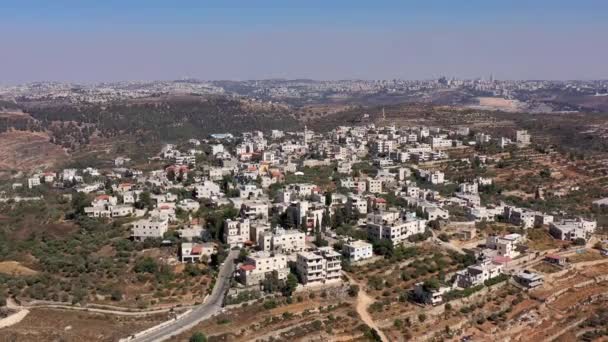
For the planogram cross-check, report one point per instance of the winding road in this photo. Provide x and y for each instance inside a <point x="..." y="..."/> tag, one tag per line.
<point x="211" y="307"/>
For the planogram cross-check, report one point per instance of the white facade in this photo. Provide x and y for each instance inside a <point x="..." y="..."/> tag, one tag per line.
<point x="357" y="250"/>
<point x="374" y="186"/>
<point x="260" y="264"/>
<point x="320" y="266"/>
<point x="283" y="240"/>
<point x="149" y="228"/>
<point x="236" y="233"/>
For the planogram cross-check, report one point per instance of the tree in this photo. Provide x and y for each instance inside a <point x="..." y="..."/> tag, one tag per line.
<point x="328" y="198"/>
<point x="243" y="254"/>
<point x="431" y="284"/>
<point x="444" y="237"/>
<point x="326" y="220"/>
<point x="198" y="337"/>
<point x="319" y="241"/>
<point x="79" y="202"/>
<point x="171" y="175"/>
<point x="545" y="173"/>
<point x="290" y="284"/>
<point x="580" y="242"/>
<point x="116" y="295"/>
<point x="146" y="265"/>
<point x="144" y="201"/>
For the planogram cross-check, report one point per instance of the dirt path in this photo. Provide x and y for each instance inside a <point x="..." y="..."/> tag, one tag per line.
<point x="363" y="302"/>
<point x="14" y="318"/>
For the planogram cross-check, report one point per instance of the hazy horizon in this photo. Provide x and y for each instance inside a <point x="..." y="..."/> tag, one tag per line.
<point x="70" y="41"/>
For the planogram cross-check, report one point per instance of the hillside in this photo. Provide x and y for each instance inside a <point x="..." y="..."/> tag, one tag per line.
<point x="156" y="119"/>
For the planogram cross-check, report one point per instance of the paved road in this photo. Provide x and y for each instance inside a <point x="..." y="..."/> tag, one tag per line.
<point x="212" y="306"/>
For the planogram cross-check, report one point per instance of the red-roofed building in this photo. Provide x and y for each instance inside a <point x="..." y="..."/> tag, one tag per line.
<point x="247" y="268"/>
<point x="555" y="259"/>
<point x="197" y="252"/>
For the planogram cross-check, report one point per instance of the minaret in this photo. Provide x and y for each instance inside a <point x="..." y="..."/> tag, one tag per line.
<point x="383" y="115"/>
<point x="305" y="135"/>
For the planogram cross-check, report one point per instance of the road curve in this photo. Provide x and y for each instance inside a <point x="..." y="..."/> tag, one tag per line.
<point x="199" y="313"/>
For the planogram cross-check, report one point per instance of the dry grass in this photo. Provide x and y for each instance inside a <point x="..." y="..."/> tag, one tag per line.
<point x="27" y="151"/>
<point x="14" y="268"/>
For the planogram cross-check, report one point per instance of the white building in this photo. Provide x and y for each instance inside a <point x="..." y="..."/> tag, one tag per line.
<point x="321" y="266"/>
<point x="374" y="185"/>
<point x="207" y="189"/>
<point x="236" y="232"/>
<point x="121" y="210"/>
<point x="357" y="250"/>
<point x="357" y="203"/>
<point x="522" y="138"/>
<point x="430" y="295"/>
<point x="285" y="241"/>
<point x="478" y="274"/>
<point x="259" y="265"/>
<point x="397" y="231"/>
<point x="196" y="252"/>
<point x="506" y="246"/>
<point x="188" y="204"/>
<point x="572" y="229"/>
<point x="32" y="182"/>
<point x="153" y="227"/>
<point x="255" y="209"/>
<point x="436" y="177"/>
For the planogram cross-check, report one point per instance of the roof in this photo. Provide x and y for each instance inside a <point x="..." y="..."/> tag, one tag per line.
<point x="501" y="259"/>
<point x="247" y="267"/>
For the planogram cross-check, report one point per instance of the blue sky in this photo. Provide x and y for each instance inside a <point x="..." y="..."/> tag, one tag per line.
<point x="88" y="41"/>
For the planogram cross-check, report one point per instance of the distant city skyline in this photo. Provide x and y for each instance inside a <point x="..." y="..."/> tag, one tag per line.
<point x="74" y="41"/>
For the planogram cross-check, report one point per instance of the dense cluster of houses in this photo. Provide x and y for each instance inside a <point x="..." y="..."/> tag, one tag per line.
<point x="241" y="172"/>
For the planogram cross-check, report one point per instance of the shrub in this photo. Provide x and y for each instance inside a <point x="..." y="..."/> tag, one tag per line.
<point x="198" y="337"/>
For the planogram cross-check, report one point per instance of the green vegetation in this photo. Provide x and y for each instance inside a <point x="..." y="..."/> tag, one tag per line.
<point x="456" y="294"/>
<point x="198" y="337"/>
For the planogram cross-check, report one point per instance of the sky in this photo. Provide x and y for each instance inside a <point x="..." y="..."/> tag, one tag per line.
<point x="111" y="40"/>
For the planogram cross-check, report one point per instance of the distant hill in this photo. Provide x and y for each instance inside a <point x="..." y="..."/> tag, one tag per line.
<point x="170" y="118"/>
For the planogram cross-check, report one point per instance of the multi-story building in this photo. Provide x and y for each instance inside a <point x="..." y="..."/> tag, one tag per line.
<point x="522" y="138"/>
<point x="572" y="229"/>
<point x="427" y="295"/>
<point x="357" y="202"/>
<point x="154" y="227"/>
<point x="282" y="240"/>
<point x="236" y="232"/>
<point x="374" y="185"/>
<point x="478" y="274"/>
<point x="357" y="250"/>
<point x="255" y="209"/>
<point x="436" y="177"/>
<point x="261" y="264"/>
<point x="207" y="189"/>
<point x="322" y="265"/>
<point x="396" y="231"/>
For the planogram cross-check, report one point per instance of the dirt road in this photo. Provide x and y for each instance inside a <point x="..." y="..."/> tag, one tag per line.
<point x="363" y="303"/>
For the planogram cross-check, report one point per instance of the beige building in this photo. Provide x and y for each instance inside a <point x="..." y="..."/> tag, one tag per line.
<point x="261" y="264"/>
<point x="236" y="232"/>
<point x="321" y="266"/>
